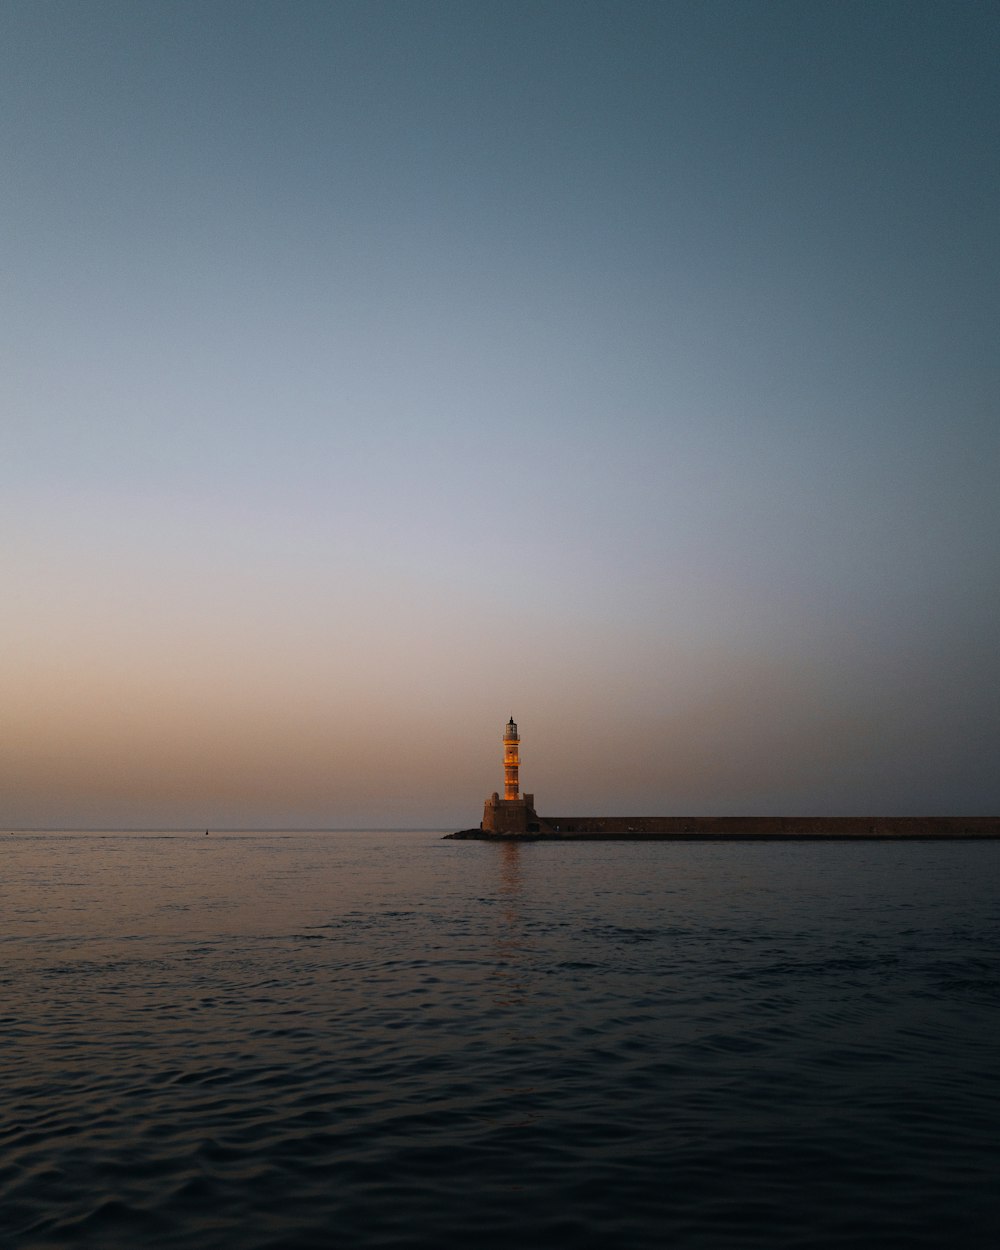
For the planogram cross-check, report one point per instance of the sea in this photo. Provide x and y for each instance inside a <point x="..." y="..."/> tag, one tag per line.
<point x="281" y="1040"/>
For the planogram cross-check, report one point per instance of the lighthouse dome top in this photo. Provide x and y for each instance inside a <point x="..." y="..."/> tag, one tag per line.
<point x="510" y="730"/>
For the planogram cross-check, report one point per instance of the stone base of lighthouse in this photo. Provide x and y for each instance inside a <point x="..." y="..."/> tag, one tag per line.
<point x="511" y="815"/>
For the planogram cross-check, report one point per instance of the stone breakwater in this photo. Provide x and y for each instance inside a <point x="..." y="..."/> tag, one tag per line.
<point x="663" y="828"/>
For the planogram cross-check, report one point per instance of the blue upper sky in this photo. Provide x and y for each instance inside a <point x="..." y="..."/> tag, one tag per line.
<point x="371" y="371"/>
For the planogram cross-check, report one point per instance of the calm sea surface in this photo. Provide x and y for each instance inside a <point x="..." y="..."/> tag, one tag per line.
<point x="386" y="1040"/>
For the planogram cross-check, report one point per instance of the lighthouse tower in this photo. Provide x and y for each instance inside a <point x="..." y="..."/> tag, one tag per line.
<point x="515" y="812"/>
<point x="511" y="761"/>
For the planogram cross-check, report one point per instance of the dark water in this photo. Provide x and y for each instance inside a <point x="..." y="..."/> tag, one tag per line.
<point x="378" y="1040"/>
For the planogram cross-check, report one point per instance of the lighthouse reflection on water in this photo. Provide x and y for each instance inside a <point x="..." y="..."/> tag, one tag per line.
<point x="510" y="975"/>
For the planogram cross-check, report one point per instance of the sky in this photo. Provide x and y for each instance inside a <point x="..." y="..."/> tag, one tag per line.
<point x="371" y="372"/>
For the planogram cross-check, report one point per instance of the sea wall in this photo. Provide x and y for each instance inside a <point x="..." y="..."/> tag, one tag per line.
<point x="551" y="828"/>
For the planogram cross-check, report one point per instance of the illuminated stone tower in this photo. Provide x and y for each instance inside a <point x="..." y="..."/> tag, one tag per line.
<point x="511" y="761"/>
<point x="514" y="813"/>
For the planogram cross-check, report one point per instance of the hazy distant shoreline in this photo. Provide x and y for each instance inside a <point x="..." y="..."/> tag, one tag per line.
<point x="747" y="828"/>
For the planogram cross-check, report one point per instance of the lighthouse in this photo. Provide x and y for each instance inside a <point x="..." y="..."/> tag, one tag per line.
<point x="511" y="760"/>
<point x="515" y="812"/>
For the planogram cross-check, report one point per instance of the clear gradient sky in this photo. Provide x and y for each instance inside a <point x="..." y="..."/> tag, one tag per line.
<point x="373" y="371"/>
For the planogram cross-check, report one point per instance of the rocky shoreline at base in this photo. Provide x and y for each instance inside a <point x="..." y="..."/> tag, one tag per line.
<point x="745" y="828"/>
